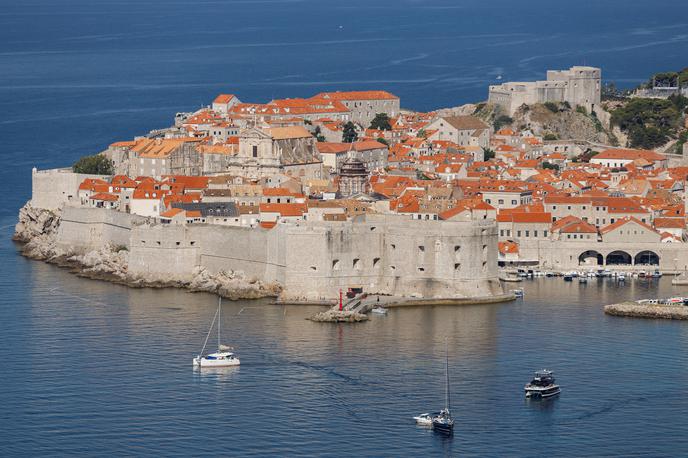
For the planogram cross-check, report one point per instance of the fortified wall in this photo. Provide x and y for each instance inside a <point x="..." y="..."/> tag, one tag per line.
<point x="386" y="254"/>
<point x="311" y="260"/>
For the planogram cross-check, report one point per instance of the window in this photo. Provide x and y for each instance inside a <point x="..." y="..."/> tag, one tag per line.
<point x="457" y="266"/>
<point x="335" y="264"/>
<point x="356" y="263"/>
<point x="314" y="268"/>
<point x="421" y="269"/>
<point x="421" y="248"/>
<point x="501" y="232"/>
<point x="255" y="151"/>
<point x="457" y="248"/>
<point x="527" y="233"/>
<point x="192" y="243"/>
<point x="518" y="233"/>
<point x="545" y="234"/>
<point x="535" y="233"/>
<point x="394" y="247"/>
<point x="501" y="201"/>
<point x="392" y="267"/>
<point x="514" y="202"/>
<point x="376" y="263"/>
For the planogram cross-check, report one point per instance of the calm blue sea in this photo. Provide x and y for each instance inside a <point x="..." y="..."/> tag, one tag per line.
<point x="92" y="368"/>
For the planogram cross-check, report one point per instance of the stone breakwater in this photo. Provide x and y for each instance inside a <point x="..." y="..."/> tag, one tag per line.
<point x="336" y="316"/>
<point x="37" y="229"/>
<point x="633" y="309"/>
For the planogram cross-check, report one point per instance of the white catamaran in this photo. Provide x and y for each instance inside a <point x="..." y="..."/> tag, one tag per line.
<point x="223" y="357"/>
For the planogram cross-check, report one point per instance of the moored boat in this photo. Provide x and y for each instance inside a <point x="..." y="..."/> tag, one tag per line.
<point x="444" y="422"/>
<point x="223" y="357"/>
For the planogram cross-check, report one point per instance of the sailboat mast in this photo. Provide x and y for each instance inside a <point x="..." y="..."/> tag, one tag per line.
<point x="446" y="372"/>
<point x="219" y="320"/>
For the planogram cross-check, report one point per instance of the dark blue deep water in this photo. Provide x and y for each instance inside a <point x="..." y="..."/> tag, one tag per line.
<point x="92" y="368"/>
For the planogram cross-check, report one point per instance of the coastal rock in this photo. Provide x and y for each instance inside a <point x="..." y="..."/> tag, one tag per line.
<point x="336" y="316"/>
<point x="231" y="285"/>
<point x="633" y="309"/>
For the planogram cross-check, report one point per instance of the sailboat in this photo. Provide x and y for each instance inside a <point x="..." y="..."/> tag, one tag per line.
<point x="223" y="357"/>
<point x="444" y="423"/>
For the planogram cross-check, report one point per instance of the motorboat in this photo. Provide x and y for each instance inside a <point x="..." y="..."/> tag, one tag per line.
<point x="542" y="385"/>
<point x="379" y="310"/>
<point x="621" y="277"/>
<point x="568" y="276"/>
<point x="676" y="300"/>
<point x="424" y="419"/>
<point x="582" y="279"/>
<point x="223" y="357"/>
<point x="518" y="292"/>
<point x="656" y="274"/>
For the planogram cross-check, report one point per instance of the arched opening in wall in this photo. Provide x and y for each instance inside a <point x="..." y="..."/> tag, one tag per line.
<point x="356" y="263"/>
<point x="616" y="258"/>
<point x="646" y="258"/>
<point x="313" y="268"/>
<point x="376" y="263"/>
<point x="335" y="264"/>
<point x="590" y="258"/>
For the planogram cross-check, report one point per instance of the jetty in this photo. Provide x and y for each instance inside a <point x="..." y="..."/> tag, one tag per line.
<point x="648" y="310"/>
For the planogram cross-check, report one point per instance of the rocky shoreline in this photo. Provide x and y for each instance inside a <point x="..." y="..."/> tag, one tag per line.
<point x="37" y="230"/>
<point x="653" y="311"/>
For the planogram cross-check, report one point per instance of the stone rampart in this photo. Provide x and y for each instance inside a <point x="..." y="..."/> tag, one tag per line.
<point x="83" y="229"/>
<point x="310" y="260"/>
<point x="55" y="188"/>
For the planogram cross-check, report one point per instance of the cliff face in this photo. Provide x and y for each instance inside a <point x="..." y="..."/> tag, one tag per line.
<point x="38" y="230"/>
<point x="565" y="124"/>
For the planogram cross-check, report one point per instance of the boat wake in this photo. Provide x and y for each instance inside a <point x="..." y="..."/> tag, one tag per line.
<point x="606" y="408"/>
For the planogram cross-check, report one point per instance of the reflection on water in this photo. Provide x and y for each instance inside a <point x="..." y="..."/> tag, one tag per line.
<point x="94" y="366"/>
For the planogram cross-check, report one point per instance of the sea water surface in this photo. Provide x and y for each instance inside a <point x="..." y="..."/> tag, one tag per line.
<point x="93" y="368"/>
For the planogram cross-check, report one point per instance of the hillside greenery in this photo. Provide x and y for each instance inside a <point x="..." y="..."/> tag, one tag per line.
<point x="650" y="123"/>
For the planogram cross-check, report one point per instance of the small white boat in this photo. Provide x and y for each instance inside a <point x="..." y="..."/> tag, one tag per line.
<point x="582" y="279"/>
<point x="223" y="357"/>
<point x="518" y="292"/>
<point x="424" y="419"/>
<point x="379" y="310"/>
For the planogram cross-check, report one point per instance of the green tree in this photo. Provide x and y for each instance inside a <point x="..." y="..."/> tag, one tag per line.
<point x="97" y="164"/>
<point x="550" y="166"/>
<point x="349" y="135"/>
<point x="383" y="141"/>
<point x="317" y="133"/>
<point x="549" y="136"/>
<point x="488" y="153"/>
<point x="381" y="122"/>
<point x="551" y="106"/>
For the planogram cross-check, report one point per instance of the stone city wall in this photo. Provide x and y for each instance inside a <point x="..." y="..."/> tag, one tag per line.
<point x="311" y="260"/>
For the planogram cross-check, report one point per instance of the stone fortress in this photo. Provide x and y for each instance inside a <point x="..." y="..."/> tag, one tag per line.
<point x="579" y="86"/>
<point x="310" y="260"/>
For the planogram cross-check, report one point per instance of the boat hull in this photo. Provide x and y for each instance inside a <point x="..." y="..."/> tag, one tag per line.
<point x="443" y="427"/>
<point x="202" y="362"/>
<point x="549" y="392"/>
